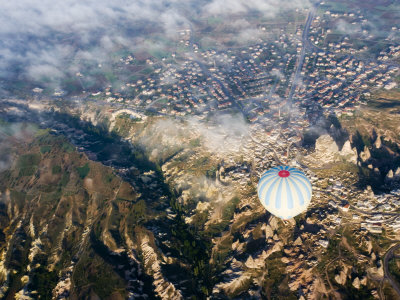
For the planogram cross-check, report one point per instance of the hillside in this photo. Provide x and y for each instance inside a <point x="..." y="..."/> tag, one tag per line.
<point x="63" y="224"/>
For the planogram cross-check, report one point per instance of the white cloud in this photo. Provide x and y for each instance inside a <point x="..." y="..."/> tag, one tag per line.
<point x="268" y="7"/>
<point x="221" y="134"/>
<point x="249" y="35"/>
<point x="54" y="36"/>
<point x="348" y="28"/>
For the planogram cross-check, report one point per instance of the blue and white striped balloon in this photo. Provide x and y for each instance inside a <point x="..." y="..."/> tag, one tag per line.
<point x="284" y="191"/>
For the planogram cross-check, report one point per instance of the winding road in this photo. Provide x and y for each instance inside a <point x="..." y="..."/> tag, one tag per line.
<point x="388" y="255"/>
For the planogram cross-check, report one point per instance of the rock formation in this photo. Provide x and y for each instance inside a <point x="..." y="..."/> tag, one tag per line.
<point x="365" y="155"/>
<point x="327" y="151"/>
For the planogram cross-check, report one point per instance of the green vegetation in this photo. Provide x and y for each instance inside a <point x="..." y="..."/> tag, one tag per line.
<point x="211" y="173"/>
<point x="224" y="249"/>
<point x="214" y="21"/>
<point x="394" y="268"/>
<point x="110" y="76"/>
<point x="92" y="269"/>
<point x="200" y="163"/>
<point x="124" y="123"/>
<point x="42" y="132"/>
<point x="43" y="282"/>
<point x="332" y="252"/>
<point x="83" y="171"/>
<point x="18" y="197"/>
<point x="159" y="54"/>
<point x="56" y="169"/>
<point x="108" y="178"/>
<point x="194" y="248"/>
<point x="28" y="160"/>
<point x="337" y="7"/>
<point x="274" y="281"/>
<point x="195" y="142"/>
<point x="364" y="293"/>
<point x="139" y="212"/>
<point x="67" y="147"/>
<point x="227" y="214"/>
<point x="199" y="219"/>
<point x="46" y="198"/>
<point x="64" y="179"/>
<point x="45" y="149"/>
<point x="28" y="171"/>
<point x="149" y="70"/>
<point x="28" y="164"/>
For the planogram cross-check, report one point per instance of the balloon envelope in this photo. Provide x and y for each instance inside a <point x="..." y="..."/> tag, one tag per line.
<point x="284" y="191"/>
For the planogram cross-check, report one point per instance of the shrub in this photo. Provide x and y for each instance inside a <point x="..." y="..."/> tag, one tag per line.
<point x="83" y="171"/>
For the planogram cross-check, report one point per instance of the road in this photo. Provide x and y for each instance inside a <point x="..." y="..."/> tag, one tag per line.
<point x="388" y="276"/>
<point x="300" y="60"/>
<point x="388" y="255"/>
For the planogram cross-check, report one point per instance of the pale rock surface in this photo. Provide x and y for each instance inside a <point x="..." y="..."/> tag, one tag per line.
<point x="350" y="154"/>
<point x="277" y="247"/>
<point x="318" y="286"/>
<point x="356" y="283"/>
<point x="341" y="278"/>
<point x="259" y="261"/>
<point x="366" y="154"/>
<point x="378" y="142"/>
<point x="24" y="279"/>
<point x="268" y="232"/>
<point x="376" y="272"/>
<point x="201" y="206"/>
<point x="273" y="222"/>
<point x="163" y="288"/>
<point x="363" y="281"/>
<point x="250" y="262"/>
<point x="370" y="192"/>
<point x="373" y="256"/>
<point x="285" y="260"/>
<point x="3" y="270"/>
<point x="231" y="286"/>
<point x="298" y="242"/>
<point x="62" y="287"/>
<point x="326" y="149"/>
<point x="369" y="246"/>
<point x="22" y="295"/>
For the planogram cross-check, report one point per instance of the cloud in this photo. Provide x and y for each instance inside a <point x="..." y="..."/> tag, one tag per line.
<point x="45" y="42"/>
<point x="267" y="7"/>
<point x="348" y="28"/>
<point x="249" y="35"/>
<point x="11" y="135"/>
<point x="221" y="134"/>
<point x="50" y="38"/>
<point x="172" y="22"/>
<point x="277" y="73"/>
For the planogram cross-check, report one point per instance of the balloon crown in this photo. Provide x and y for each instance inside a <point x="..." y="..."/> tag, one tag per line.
<point x="284" y="173"/>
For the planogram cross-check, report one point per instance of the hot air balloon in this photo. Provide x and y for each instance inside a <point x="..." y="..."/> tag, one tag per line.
<point x="284" y="191"/>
